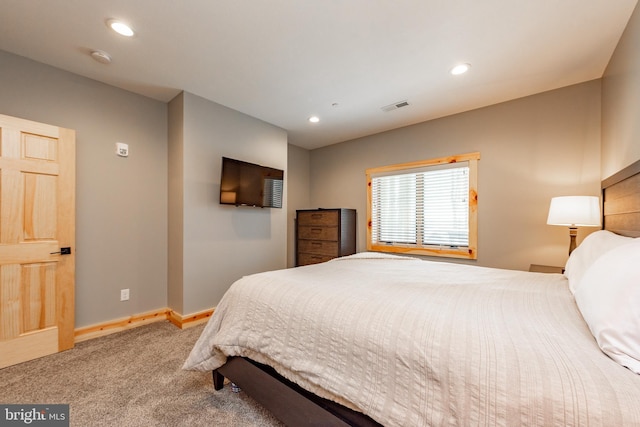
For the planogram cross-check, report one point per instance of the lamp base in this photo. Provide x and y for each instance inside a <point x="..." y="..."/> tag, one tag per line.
<point x="573" y="232"/>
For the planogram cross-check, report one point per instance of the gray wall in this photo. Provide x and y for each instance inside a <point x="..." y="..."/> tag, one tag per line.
<point x="122" y="227"/>
<point x="175" y="256"/>
<point x="121" y="211"/>
<point x="621" y="102"/>
<point x="222" y="243"/>
<point x="531" y="149"/>
<point x="298" y="170"/>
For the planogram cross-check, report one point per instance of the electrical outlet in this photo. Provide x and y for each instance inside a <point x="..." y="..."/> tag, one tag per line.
<point x="124" y="294"/>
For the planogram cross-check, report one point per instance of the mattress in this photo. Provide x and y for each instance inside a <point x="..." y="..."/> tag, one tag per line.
<point x="412" y="342"/>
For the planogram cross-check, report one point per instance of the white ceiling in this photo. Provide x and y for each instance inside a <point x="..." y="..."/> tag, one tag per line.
<point x="284" y="60"/>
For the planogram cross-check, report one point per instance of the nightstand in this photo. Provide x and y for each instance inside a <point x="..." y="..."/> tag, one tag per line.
<point x="538" y="268"/>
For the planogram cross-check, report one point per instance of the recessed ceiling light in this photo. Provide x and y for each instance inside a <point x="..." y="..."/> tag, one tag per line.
<point x="460" y="69"/>
<point x="314" y="119"/>
<point x="120" y="27"/>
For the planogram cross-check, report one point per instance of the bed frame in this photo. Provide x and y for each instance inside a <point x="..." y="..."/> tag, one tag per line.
<point x="295" y="406"/>
<point x="287" y="401"/>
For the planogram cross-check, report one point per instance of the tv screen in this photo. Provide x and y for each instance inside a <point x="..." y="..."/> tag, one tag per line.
<point x="248" y="184"/>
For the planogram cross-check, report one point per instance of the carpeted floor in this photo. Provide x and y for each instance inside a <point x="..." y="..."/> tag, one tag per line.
<point x="132" y="378"/>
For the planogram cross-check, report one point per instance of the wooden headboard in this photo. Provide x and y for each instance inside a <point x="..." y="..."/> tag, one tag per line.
<point x="621" y="201"/>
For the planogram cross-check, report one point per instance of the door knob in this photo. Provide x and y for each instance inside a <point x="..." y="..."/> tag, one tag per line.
<point x="62" y="251"/>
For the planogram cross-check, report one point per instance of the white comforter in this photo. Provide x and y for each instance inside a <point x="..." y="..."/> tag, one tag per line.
<point x="415" y="343"/>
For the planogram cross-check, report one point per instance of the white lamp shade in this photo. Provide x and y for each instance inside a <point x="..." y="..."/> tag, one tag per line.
<point x="574" y="211"/>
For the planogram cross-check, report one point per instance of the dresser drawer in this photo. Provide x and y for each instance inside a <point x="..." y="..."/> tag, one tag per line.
<point x="324" y="218"/>
<point x="324" y="234"/>
<point x="318" y="247"/>
<point x="306" y="259"/>
<point x="318" y="233"/>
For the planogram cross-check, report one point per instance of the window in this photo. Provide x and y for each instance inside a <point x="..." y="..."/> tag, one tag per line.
<point x="427" y="207"/>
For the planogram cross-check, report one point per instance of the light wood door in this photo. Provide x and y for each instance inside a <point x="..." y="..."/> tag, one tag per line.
<point x="37" y="219"/>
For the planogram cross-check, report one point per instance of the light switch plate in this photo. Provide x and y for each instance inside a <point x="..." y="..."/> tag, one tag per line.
<point x="122" y="149"/>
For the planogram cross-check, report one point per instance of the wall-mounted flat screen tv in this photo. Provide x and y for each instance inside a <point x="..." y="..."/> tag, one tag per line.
<point x="248" y="184"/>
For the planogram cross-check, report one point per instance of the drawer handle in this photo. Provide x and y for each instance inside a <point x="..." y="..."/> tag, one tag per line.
<point x="316" y="244"/>
<point x="316" y="230"/>
<point x="317" y="215"/>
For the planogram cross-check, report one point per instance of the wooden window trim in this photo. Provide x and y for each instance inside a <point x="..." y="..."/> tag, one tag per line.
<point x="470" y="252"/>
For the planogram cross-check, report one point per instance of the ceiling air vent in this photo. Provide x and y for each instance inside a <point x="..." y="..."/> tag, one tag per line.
<point x="395" y="106"/>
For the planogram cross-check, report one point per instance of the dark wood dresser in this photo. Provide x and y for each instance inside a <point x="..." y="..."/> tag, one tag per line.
<point x="324" y="234"/>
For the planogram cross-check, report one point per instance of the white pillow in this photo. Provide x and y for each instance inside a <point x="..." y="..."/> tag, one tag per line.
<point x="609" y="299"/>
<point x="592" y="247"/>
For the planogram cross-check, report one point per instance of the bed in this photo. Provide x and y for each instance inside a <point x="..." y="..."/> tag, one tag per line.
<point x="376" y="339"/>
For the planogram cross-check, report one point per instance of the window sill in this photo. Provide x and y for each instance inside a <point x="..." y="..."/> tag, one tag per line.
<point x="464" y="253"/>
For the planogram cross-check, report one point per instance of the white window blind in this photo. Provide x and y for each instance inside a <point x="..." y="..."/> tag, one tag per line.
<point x="425" y="206"/>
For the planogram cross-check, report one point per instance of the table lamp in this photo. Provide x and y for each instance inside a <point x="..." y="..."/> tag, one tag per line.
<point x="574" y="212"/>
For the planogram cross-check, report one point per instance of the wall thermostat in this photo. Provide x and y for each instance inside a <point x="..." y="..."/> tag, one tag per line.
<point x="122" y="149"/>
